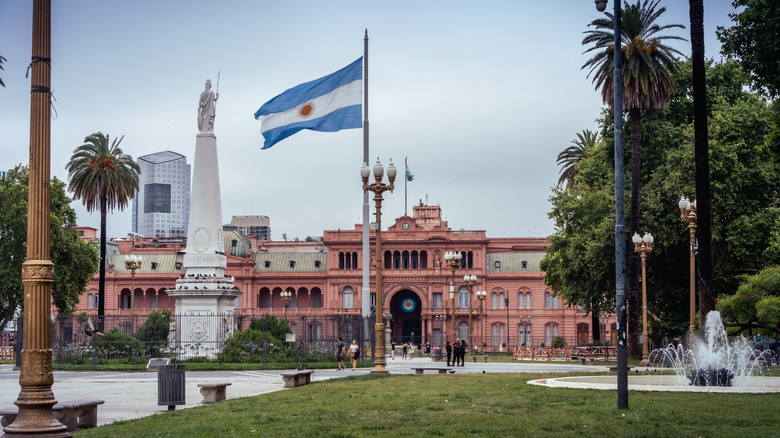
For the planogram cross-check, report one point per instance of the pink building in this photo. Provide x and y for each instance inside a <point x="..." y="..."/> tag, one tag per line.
<point x="325" y="278"/>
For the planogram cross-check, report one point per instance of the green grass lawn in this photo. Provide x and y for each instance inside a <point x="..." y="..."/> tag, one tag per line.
<point x="476" y="405"/>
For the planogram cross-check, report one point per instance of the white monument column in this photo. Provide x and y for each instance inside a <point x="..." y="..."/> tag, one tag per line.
<point x="204" y="296"/>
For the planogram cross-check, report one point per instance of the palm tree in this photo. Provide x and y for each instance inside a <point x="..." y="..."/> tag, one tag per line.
<point x="649" y="67"/>
<point x="569" y="157"/>
<point x="102" y="177"/>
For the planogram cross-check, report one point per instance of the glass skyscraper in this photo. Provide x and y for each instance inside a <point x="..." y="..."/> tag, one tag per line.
<point x="162" y="205"/>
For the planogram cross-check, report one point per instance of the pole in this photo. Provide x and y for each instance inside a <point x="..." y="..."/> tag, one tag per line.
<point x="379" y="326"/>
<point x="365" y="310"/>
<point x="406" y="180"/>
<point x="692" y="263"/>
<point x="620" y="228"/>
<point x="36" y="398"/>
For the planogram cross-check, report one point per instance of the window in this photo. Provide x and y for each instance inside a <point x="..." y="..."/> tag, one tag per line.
<point x="317" y="264"/>
<point x="347" y="298"/>
<point x="550" y="331"/>
<point x="405" y="260"/>
<point x="524" y="334"/>
<point x="354" y="261"/>
<point x="125" y="301"/>
<point x="555" y="301"/>
<point x="437" y="337"/>
<point x="524" y="264"/>
<point x="497" y="332"/>
<point x="396" y="260"/>
<point x="528" y="300"/>
<point x="497" y="265"/>
<point x="267" y="264"/>
<point x="520" y="300"/>
<point x="155" y="303"/>
<point x="341" y="260"/>
<point x="292" y="264"/>
<point x="494" y="300"/>
<point x="463" y="297"/>
<point x="463" y="332"/>
<point x="317" y="300"/>
<point x="437" y="300"/>
<point x="89" y="302"/>
<point x="547" y="300"/>
<point x="501" y="300"/>
<point x="267" y="300"/>
<point x="415" y="260"/>
<point x="293" y="300"/>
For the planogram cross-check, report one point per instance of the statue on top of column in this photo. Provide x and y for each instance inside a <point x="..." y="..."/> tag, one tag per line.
<point x="207" y="108"/>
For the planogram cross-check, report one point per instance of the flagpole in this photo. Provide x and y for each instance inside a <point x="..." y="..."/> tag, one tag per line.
<point x="366" y="293"/>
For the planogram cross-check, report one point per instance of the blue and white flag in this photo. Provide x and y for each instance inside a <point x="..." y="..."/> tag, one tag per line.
<point x="409" y="176"/>
<point x="327" y="104"/>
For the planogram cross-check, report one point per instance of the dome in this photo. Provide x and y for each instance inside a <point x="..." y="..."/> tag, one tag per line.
<point x="236" y="243"/>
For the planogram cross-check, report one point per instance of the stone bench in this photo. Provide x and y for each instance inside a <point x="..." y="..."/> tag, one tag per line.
<point x="421" y="370"/>
<point x="589" y="359"/>
<point x="79" y="414"/>
<point x="156" y="362"/>
<point x="295" y="379"/>
<point x="75" y="415"/>
<point x="213" y="392"/>
<point x="474" y="359"/>
<point x="614" y="369"/>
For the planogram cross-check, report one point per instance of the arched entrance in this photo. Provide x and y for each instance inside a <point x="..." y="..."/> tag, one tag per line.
<point x="406" y="308"/>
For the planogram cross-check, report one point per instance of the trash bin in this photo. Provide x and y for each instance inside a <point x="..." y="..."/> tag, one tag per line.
<point x="170" y="386"/>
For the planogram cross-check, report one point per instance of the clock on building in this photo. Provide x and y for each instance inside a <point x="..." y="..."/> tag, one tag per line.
<point x="405" y="225"/>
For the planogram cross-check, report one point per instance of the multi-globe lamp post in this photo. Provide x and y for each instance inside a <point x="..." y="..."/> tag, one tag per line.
<point x="132" y="263"/>
<point x="452" y="259"/>
<point x="620" y="227"/>
<point x="644" y="245"/>
<point x="481" y="295"/>
<point x="688" y="215"/>
<point x="470" y="281"/>
<point x="378" y="187"/>
<point x="286" y="296"/>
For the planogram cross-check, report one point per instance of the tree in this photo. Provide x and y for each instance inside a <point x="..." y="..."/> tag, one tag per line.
<point x="756" y="304"/>
<point x="701" y="158"/>
<point x="649" y="70"/>
<point x="579" y="264"/>
<point x="569" y="157"/>
<point x="753" y="41"/>
<point x="74" y="261"/>
<point x="102" y="177"/>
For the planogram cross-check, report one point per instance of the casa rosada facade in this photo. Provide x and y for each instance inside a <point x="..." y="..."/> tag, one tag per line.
<point x="325" y="278"/>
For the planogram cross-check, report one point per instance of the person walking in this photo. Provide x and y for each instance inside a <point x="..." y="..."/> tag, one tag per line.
<point x="449" y="353"/>
<point x="340" y="354"/>
<point x="354" y="353"/>
<point x="427" y="350"/>
<point x="404" y="350"/>
<point x="463" y="348"/>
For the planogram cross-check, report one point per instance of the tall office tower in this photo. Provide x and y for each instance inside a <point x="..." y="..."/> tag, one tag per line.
<point x="162" y="205"/>
<point x="255" y="226"/>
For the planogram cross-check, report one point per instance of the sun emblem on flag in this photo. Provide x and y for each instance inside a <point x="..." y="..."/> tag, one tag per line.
<point x="306" y="110"/>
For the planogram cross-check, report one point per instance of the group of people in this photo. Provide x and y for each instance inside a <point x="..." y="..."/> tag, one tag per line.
<point x="408" y="348"/>
<point x="353" y="351"/>
<point x="456" y="354"/>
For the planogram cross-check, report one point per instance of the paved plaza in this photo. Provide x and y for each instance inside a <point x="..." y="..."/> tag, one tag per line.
<point x="130" y="395"/>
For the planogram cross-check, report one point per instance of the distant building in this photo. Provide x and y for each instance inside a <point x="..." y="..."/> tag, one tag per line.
<point x="325" y="278"/>
<point x="254" y="226"/>
<point x="162" y="206"/>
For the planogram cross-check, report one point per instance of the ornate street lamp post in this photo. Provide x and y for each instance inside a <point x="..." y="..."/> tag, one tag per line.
<point x="688" y="214"/>
<point x="452" y="259"/>
<point x="620" y="226"/>
<point x="470" y="281"/>
<point x="286" y="297"/>
<point x="644" y="245"/>
<point x="36" y="378"/>
<point x="132" y="263"/>
<point x="481" y="295"/>
<point x="378" y="187"/>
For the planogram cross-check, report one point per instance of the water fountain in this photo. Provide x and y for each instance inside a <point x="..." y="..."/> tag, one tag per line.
<point x="711" y="364"/>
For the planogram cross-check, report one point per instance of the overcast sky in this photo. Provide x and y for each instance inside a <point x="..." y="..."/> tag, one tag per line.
<point x="480" y="96"/>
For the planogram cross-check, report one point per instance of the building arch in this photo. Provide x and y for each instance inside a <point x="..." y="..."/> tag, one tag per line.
<point x="406" y="310"/>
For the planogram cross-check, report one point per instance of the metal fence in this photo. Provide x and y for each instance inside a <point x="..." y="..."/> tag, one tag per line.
<point x="264" y="341"/>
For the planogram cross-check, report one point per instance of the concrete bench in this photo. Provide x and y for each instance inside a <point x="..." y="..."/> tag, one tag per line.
<point x="295" y="379"/>
<point x="8" y="414"/>
<point x="474" y="359"/>
<point x="157" y="362"/>
<point x="421" y="370"/>
<point x="213" y="392"/>
<point x="79" y="414"/>
<point x="589" y="359"/>
<point x="614" y="369"/>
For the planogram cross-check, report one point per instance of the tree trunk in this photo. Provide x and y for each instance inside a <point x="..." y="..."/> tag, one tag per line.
<point x="707" y="294"/>
<point x="594" y="320"/>
<point x="102" y="277"/>
<point x="634" y="349"/>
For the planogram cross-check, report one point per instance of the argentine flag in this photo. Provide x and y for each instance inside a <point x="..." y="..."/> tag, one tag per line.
<point x="327" y="104"/>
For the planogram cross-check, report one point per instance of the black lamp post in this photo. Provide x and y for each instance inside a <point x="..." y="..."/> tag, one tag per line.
<point x="620" y="227"/>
